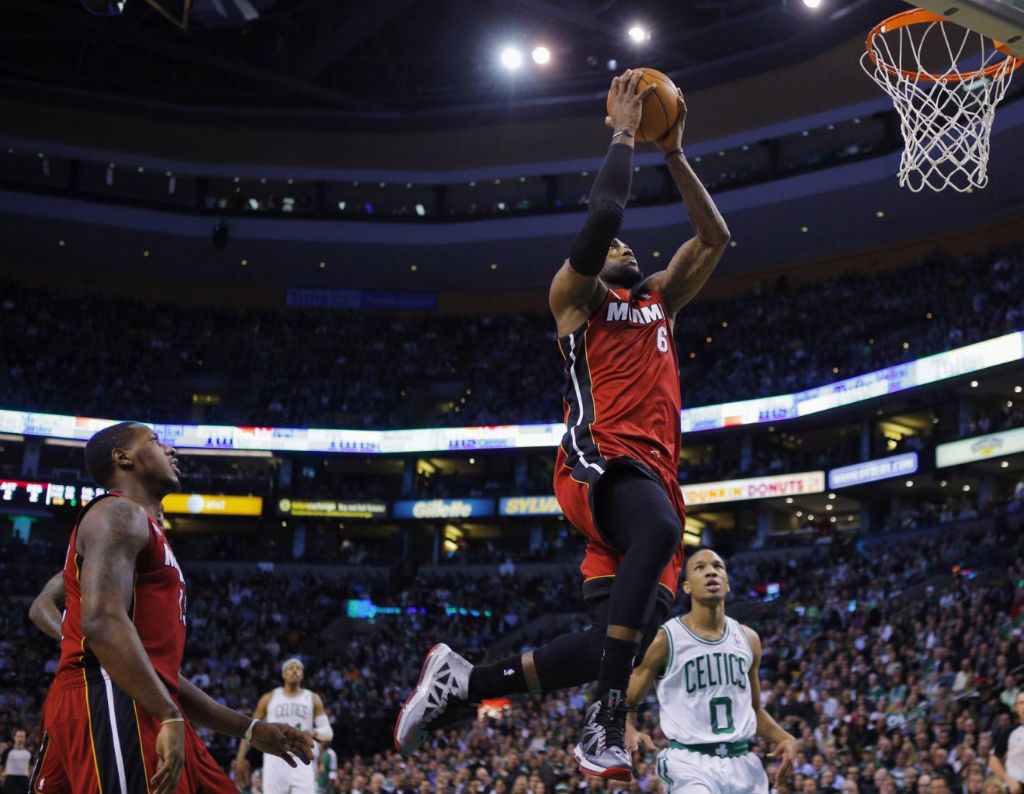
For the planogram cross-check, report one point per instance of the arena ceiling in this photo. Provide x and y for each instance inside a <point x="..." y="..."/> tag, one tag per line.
<point x="387" y="59"/>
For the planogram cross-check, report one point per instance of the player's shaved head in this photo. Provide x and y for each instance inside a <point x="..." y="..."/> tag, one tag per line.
<point x="702" y="552"/>
<point x="99" y="450"/>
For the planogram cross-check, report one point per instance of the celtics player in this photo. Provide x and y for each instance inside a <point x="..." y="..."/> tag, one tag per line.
<point x="326" y="768"/>
<point x="301" y="708"/>
<point x="704" y="666"/>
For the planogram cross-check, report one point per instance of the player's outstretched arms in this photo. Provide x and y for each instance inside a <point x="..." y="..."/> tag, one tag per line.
<point x="640" y="683"/>
<point x="691" y="265"/>
<point x="767" y="728"/>
<point x="576" y="290"/>
<point x="46" y="610"/>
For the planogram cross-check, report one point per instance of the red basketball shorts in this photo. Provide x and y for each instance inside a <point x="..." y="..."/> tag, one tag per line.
<point x="95" y="739"/>
<point x="602" y="560"/>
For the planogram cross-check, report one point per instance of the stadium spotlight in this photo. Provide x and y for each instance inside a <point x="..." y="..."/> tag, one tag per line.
<point x="812" y="3"/>
<point x="541" y="55"/>
<point x="511" y="58"/>
<point x="639" y="34"/>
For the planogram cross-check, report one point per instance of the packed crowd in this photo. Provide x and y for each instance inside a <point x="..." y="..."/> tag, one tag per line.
<point x="314" y="367"/>
<point x="888" y="667"/>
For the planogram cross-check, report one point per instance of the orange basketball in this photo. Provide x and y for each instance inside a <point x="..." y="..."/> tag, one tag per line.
<point x="660" y="107"/>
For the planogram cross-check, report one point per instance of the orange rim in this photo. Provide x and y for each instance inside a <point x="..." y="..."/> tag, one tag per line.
<point x="917" y="16"/>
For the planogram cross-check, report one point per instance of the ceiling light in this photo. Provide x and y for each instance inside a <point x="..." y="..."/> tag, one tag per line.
<point x="639" y="34"/>
<point x="974" y="384"/>
<point x="541" y="55"/>
<point x="812" y="3"/>
<point x="910" y="483"/>
<point x="511" y="58"/>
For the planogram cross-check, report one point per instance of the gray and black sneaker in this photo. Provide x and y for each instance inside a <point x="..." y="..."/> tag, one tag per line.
<point x="457" y="714"/>
<point x="603" y="750"/>
<point x="444" y="679"/>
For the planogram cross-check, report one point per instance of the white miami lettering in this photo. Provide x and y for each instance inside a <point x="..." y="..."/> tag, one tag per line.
<point x="171" y="562"/>
<point x="645" y="315"/>
<point x="618" y="311"/>
<point x="652" y="313"/>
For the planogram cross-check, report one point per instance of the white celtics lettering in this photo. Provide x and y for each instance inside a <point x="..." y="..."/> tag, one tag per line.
<point x="284" y="712"/>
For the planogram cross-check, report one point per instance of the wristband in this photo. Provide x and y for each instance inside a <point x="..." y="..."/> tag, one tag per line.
<point x="674" y="151"/>
<point x="627" y="133"/>
<point x="172" y="719"/>
<point x="248" y="731"/>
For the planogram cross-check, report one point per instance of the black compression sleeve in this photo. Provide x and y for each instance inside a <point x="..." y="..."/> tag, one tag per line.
<point x="608" y="199"/>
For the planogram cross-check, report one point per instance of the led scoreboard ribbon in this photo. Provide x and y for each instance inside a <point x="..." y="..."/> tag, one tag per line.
<point x="951" y="364"/>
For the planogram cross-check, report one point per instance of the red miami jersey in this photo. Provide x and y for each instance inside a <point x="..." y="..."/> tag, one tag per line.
<point x="157" y="609"/>
<point x="622" y="398"/>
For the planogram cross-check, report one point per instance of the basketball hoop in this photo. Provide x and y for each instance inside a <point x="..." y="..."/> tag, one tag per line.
<point x="945" y="82"/>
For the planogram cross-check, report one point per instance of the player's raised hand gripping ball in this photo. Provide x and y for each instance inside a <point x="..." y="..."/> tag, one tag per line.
<point x="660" y="104"/>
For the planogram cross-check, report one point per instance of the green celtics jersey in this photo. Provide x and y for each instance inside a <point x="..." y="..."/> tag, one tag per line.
<point x="325" y="765"/>
<point x="705" y="692"/>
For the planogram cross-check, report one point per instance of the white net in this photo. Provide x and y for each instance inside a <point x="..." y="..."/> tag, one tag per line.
<point x="945" y="81"/>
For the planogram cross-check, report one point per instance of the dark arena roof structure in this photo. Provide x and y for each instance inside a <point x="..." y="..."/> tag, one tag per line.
<point x="384" y="60"/>
<point x="330" y="144"/>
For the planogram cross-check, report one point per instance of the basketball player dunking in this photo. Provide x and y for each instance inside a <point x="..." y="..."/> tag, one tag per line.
<point x="301" y="708"/>
<point x="705" y="667"/>
<point x="616" y="473"/>
<point x="115" y="716"/>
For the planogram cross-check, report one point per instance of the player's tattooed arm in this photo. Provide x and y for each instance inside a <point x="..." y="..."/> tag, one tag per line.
<point x="46" y="610"/>
<point x="640" y="683"/>
<point x="109" y="540"/>
<point x="694" y="261"/>
<point x="767" y="728"/>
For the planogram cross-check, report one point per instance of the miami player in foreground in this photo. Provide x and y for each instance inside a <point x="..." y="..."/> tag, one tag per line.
<point x="704" y="667"/>
<point x="616" y="475"/>
<point x="115" y="716"/>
